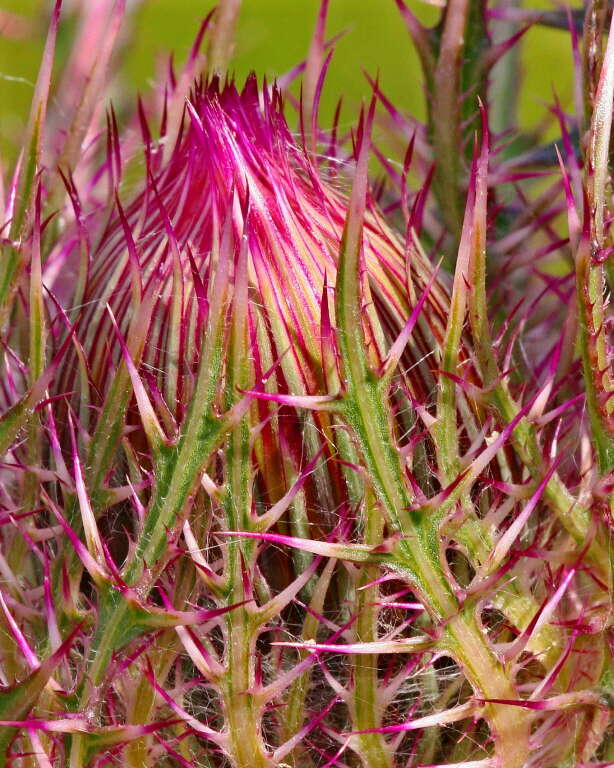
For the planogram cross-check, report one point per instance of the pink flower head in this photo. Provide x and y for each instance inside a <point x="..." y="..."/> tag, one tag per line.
<point x="237" y="168"/>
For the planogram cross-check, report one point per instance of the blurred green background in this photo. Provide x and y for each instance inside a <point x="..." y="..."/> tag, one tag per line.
<point x="273" y="36"/>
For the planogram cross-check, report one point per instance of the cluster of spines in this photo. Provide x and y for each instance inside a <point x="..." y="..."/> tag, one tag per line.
<point x="237" y="380"/>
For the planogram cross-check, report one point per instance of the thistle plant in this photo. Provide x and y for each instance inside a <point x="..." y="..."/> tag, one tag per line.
<point x="307" y="446"/>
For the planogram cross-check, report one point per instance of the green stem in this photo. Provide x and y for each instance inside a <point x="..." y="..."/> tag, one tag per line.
<point x="366" y="707"/>
<point x="367" y="412"/>
<point x="510" y="725"/>
<point x="243" y="713"/>
<point x="177" y="468"/>
<point x="573" y="516"/>
<point x="369" y="417"/>
<point x="445" y="115"/>
<point x="242" y="709"/>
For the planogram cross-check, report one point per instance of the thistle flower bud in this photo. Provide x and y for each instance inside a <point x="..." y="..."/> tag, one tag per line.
<point x="237" y="172"/>
<point x="277" y="488"/>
